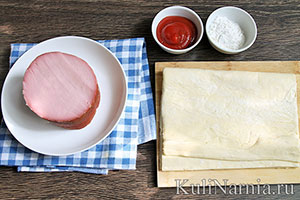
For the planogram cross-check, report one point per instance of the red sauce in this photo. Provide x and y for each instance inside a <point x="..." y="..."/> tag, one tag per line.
<point x="176" y="32"/>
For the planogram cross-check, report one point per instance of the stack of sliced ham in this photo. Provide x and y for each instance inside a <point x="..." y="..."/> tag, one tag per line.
<point x="62" y="89"/>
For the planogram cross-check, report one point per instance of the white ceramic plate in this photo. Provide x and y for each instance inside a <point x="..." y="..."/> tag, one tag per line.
<point x="43" y="137"/>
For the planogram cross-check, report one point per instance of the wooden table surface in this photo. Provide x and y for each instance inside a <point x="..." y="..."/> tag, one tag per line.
<point x="278" y="23"/>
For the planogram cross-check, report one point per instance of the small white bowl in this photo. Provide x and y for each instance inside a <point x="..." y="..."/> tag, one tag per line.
<point x="183" y="12"/>
<point x="239" y="16"/>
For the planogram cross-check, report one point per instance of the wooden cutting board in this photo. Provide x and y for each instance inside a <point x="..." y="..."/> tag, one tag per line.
<point x="234" y="176"/>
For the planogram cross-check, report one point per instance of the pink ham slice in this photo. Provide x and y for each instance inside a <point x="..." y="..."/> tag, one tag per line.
<point x="62" y="89"/>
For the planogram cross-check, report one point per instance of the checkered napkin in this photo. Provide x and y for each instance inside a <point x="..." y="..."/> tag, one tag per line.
<point x="119" y="149"/>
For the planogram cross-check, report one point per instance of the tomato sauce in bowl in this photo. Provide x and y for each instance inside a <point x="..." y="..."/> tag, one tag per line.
<point x="177" y="29"/>
<point x="176" y="32"/>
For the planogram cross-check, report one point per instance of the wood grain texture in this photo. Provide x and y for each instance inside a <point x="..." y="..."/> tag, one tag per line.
<point x="34" y="21"/>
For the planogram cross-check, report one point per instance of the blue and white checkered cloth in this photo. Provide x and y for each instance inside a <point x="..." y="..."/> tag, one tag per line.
<point x="119" y="150"/>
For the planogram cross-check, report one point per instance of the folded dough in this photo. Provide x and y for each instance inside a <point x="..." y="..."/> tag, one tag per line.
<point x="230" y="115"/>
<point x="178" y="163"/>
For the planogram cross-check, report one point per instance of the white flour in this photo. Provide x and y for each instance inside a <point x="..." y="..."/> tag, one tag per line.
<point x="226" y="33"/>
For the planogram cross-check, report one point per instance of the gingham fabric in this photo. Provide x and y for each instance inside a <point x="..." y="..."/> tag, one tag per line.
<point x="118" y="151"/>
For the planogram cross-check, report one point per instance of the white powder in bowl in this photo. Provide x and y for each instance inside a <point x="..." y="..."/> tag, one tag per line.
<point x="226" y="33"/>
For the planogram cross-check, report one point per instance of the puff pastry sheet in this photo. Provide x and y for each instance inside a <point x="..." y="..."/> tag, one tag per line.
<point x="213" y="119"/>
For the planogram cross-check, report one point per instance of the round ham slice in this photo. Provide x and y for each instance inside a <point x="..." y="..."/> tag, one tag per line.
<point x="62" y="89"/>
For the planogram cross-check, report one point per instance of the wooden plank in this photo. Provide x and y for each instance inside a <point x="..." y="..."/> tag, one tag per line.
<point x="236" y="176"/>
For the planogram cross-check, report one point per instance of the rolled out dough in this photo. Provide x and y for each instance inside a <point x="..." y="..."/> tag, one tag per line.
<point x="178" y="163"/>
<point x="229" y="116"/>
